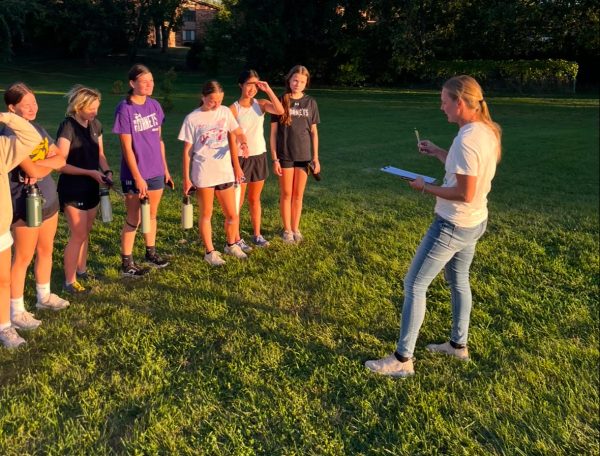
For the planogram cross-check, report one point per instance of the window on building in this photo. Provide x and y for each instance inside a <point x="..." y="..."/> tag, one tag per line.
<point x="189" y="16"/>
<point x="189" y="35"/>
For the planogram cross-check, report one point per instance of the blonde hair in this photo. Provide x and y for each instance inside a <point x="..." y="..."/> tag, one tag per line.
<point x="79" y="98"/>
<point x="285" y="118"/>
<point x="469" y="91"/>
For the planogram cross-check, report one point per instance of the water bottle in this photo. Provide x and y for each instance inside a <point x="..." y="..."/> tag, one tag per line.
<point x="145" y="209"/>
<point x="187" y="213"/>
<point x="33" y="206"/>
<point x="105" y="206"/>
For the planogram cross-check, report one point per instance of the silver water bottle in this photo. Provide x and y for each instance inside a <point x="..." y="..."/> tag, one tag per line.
<point x="145" y="210"/>
<point x="187" y="213"/>
<point x="33" y="206"/>
<point x="105" y="205"/>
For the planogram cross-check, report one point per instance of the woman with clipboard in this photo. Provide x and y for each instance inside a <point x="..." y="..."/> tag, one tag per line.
<point x="460" y="220"/>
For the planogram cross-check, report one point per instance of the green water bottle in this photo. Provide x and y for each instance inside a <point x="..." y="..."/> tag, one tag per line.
<point x="145" y="209"/>
<point x="33" y="206"/>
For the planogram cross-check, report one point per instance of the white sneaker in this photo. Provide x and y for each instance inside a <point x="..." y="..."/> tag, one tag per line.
<point x="25" y="320"/>
<point x="52" y="302"/>
<point x="297" y="236"/>
<point x="235" y="251"/>
<point x="245" y="247"/>
<point x="10" y="338"/>
<point x="214" y="258"/>
<point x="288" y="237"/>
<point x="447" y="349"/>
<point x="391" y="367"/>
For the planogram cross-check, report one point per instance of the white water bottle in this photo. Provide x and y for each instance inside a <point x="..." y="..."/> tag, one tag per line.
<point x="145" y="210"/>
<point x="105" y="206"/>
<point x="187" y="213"/>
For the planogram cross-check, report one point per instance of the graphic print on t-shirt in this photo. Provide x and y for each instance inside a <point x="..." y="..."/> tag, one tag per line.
<point x="145" y="123"/>
<point x="214" y="137"/>
<point x="297" y="111"/>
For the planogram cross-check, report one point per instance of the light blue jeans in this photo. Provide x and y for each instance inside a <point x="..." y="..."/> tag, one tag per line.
<point x="444" y="246"/>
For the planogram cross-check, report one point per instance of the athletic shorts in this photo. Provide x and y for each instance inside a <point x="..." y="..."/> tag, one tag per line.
<point x="82" y="202"/>
<point x="294" y="164"/>
<point x="255" y="168"/>
<point x="154" y="183"/>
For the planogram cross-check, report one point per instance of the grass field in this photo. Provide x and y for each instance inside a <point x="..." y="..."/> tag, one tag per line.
<point x="266" y="356"/>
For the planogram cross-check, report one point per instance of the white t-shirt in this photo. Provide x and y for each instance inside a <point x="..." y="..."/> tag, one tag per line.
<point x="474" y="152"/>
<point x="207" y="132"/>
<point x="252" y="121"/>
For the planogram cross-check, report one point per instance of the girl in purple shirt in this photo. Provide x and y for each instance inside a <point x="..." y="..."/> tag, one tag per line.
<point x="144" y="170"/>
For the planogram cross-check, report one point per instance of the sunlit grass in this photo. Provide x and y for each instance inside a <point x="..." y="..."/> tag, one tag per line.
<point x="265" y="356"/>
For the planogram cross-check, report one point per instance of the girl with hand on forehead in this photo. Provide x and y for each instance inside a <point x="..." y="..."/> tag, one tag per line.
<point x="250" y="114"/>
<point x="294" y="146"/>
<point x="144" y="169"/>
<point x="210" y="164"/>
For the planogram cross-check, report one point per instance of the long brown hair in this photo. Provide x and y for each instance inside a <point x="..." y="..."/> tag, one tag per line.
<point x="469" y="91"/>
<point x="135" y="72"/>
<point x="286" y="118"/>
<point x="210" y="87"/>
<point x="15" y="92"/>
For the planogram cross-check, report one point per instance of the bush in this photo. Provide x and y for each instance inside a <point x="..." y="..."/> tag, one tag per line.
<point x="166" y="90"/>
<point x="117" y="88"/>
<point x="512" y="74"/>
<point x="194" y="56"/>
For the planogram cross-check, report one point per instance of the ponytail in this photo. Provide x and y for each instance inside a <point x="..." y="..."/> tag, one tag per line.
<point x="469" y="90"/>
<point x="286" y="118"/>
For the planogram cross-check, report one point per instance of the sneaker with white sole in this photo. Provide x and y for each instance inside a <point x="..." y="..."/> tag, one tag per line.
<point x="235" y="251"/>
<point x="75" y="288"/>
<point x="391" y="367"/>
<point x="447" y="349"/>
<point x="25" y="320"/>
<point x="156" y="260"/>
<point x="245" y="247"/>
<point x="288" y="237"/>
<point x="298" y="236"/>
<point x="133" y="270"/>
<point x="10" y="338"/>
<point x="260" y="241"/>
<point x="52" y="302"/>
<point x="214" y="258"/>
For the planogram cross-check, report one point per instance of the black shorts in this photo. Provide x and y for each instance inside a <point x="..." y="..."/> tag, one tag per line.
<point x="255" y="168"/>
<point x="154" y="183"/>
<point x="81" y="202"/>
<point x="294" y="164"/>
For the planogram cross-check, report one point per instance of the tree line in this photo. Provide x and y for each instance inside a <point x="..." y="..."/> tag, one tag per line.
<point x="349" y="42"/>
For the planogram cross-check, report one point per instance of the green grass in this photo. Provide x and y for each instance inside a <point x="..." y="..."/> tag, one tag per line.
<point x="266" y="356"/>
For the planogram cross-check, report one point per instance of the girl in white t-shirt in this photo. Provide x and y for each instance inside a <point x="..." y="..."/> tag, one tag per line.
<point x="211" y="165"/>
<point x="250" y="113"/>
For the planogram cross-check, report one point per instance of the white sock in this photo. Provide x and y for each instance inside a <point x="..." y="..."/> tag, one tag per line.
<point x="4" y="326"/>
<point x="17" y="306"/>
<point x="43" y="291"/>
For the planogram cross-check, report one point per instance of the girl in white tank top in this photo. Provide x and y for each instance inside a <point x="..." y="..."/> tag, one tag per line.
<point x="250" y="114"/>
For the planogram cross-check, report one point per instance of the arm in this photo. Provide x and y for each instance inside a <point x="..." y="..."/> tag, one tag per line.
<point x="235" y="162"/>
<point x="129" y="156"/>
<point x="463" y="192"/>
<point x="64" y="145"/>
<point x="41" y="168"/>
<point x="22" y="143"/>
<point x="314" y="136"/>
<point x="272" y="105"/>
<point x="163" y="154"/>
<point x="187" y="182"/>
<point x="273" y="144"/>
<point x="104" y="166"/>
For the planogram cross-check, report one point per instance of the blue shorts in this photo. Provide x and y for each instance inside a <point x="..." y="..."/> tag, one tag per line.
<point x="154" y="183"/>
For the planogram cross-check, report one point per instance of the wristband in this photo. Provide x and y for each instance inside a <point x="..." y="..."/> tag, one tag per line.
<point x="275" y="160"/>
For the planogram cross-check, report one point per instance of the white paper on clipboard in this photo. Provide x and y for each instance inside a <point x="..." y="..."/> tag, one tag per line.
<point x="407" y="174"/>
